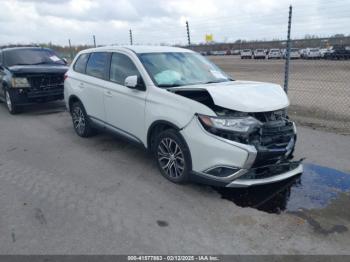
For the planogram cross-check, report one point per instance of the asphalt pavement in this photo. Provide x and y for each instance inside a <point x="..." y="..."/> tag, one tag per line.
<point x="62" y="194"/>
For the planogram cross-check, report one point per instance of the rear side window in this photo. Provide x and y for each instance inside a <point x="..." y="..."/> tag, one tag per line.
<point x="80" y="64"/>
<point x="121" y="68"/>
<point x="96" y="65"/>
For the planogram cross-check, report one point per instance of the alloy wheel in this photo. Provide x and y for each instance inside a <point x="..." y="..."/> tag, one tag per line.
<point x="171" y="158"/>
<point x="79" y="121"/>
<point x="8" y="101"/>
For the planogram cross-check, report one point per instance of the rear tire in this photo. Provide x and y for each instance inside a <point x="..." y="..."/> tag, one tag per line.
<point x="81" y="122"/>
<point x="173" y="156"/>
<point x="11" y="107"/>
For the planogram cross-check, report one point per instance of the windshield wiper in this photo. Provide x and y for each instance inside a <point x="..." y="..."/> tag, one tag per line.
<point x="44" y="63"/>
<point x="217" y="81"/>
<point x="20" y="64"/>
<point x="169" y="85"/>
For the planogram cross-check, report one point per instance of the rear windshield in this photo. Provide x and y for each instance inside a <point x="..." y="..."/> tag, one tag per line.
<point x="32" y="56"/>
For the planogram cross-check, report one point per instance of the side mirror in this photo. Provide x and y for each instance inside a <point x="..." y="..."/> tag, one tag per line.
<point x="134" y="82"/>
<point x="65" y="60"/>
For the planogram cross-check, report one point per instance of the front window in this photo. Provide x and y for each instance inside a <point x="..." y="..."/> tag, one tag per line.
<point x="33" y="56"/>
<point x="181" y="68"/>
<point x="121" y="68"/>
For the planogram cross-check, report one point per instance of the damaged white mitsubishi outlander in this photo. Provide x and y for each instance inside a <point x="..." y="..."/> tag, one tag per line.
<point x="198" y="122"/>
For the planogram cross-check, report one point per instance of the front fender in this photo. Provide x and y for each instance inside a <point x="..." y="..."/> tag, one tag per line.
<point x="168" y="106"/>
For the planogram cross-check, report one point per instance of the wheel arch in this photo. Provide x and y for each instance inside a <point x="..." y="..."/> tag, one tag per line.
<point x="158" y="126"/>
<point x="72" y="99"/>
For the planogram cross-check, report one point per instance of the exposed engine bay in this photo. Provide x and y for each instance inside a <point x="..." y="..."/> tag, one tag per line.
<point x="274" y="139"/>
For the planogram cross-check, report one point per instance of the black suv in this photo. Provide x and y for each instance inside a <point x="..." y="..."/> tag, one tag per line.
<point x="30" y="75"/>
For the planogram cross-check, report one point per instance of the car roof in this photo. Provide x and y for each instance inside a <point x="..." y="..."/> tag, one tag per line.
<point x="139" y="49"/>
<point x="23" y="48"/>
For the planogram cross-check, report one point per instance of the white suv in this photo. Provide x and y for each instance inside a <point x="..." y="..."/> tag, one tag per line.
<point x="274" y="53"/>
<point x="246" y="54"/>
<point x="198" y="122"/>
<point x="259" y="54"/>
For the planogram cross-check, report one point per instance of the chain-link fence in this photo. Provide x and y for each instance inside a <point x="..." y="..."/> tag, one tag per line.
<point x="319" y="88"/>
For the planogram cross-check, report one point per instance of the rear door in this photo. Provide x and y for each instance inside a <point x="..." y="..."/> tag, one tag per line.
<point x="90" y="83"/>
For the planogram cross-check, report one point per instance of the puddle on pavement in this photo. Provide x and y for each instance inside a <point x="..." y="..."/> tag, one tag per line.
<point x="314" y="189"/>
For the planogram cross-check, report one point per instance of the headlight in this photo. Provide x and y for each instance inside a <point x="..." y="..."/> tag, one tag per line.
<point x="234" y="124"/>
<point x="20" y="82"/>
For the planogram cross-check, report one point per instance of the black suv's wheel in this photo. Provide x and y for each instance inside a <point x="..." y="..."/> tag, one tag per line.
<point x="11" y="107"/>
<point x="173" y="156"/>
<point x="81" y="122"/>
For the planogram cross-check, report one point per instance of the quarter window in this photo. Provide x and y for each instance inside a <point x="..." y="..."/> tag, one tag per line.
<point x="96" y="65"/>
<point x="121" y="68"/>
<point x="80" y="64"/>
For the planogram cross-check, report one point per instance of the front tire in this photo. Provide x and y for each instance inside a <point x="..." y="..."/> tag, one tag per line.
<point x="81" y="122"/>
<point x="11" y="107"/>
<point x="173" y="156"/>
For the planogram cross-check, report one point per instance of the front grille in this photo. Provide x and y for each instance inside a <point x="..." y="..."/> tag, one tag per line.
<point x="274" y="143"/>
<point x="46" y="82"/>
<point x="276" y="135"/>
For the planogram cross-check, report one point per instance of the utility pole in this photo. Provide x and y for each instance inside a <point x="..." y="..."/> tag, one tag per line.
<point x="94" y="40"/>
<point x="188" y="34"/>
<point x="130" y="35"/>
<point x="286" y="69"/>
<point x="70" y="50"/>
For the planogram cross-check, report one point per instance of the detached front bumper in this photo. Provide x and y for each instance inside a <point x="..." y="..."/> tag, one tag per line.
<point x="267" y="174"/>
<point x="225" y="163"/>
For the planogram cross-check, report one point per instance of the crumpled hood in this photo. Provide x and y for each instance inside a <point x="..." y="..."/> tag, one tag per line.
<point x="245" y="96"/>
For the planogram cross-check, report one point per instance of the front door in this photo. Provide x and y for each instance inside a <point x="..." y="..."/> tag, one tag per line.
<point x="125" y="107"/>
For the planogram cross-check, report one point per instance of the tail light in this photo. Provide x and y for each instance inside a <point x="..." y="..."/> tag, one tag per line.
<point x="65" y="76"/>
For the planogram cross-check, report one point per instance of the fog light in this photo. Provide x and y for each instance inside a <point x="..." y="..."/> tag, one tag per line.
<point x="222" y="171"/>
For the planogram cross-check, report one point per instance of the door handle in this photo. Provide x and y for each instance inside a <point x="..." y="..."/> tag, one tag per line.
<point x="108" y="93"/>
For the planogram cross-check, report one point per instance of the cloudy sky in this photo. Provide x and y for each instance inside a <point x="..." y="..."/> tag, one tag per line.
<point x="163" y="21"/>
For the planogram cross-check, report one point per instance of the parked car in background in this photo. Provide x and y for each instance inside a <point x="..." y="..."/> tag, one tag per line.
<point x="197" y="122"/>
<point x="235" y="52"/>
<point x="246" y="54"/>
<point x="30" y="75"/>
<point x="338" y="53"/>
<point x="312" y="53"/>
<point x="324" y="51"/>
<point x="218" y="52"/>
<point x="259" y="54"/>
<point x="303" y="53"/>
<point x="294" y="53"/>
<point x="283" y="52"/>
<point x="274" y="54"/>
